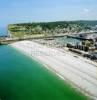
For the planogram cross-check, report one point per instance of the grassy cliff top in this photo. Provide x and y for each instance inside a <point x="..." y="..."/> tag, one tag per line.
<point x="23" y="29"/>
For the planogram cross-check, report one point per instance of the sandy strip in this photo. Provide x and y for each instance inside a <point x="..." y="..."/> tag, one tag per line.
<point x="78" y="72"/>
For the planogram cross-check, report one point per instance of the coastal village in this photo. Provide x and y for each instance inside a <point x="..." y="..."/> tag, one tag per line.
<point x="87" y="47"/>
<point x="84" y="34"/>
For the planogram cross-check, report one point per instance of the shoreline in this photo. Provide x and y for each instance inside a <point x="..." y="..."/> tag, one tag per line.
<point x="54" y="60"/>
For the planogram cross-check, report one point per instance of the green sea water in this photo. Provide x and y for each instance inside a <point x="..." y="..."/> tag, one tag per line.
<point x="22" y="78"/>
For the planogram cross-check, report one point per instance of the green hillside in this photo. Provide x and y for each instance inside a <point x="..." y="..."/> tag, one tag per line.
<point x="50" y="28"/>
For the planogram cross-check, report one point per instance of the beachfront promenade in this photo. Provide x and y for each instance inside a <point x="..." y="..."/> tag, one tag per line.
<point x="77" y="72"/>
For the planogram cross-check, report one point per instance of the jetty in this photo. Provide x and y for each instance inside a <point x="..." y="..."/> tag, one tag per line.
<point x="5" y="41"/>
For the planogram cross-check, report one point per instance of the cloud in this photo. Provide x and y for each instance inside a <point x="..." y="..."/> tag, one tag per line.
<point x="86" y="10"/>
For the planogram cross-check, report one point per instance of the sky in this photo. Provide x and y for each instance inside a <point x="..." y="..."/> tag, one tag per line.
<point x="19" y="11"/>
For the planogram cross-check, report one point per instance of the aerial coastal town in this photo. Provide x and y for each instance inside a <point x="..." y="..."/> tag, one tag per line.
<point x="48" y="50"/>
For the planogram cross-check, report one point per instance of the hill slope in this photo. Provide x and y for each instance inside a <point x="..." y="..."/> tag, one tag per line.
<point x="51" y="28"/>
